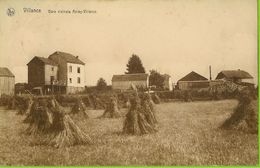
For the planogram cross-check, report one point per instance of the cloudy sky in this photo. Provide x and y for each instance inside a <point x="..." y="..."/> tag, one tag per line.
<point x="174" y="37"/>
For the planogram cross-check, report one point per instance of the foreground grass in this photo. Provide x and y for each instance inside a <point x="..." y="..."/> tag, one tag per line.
<point x="188" y="135"/>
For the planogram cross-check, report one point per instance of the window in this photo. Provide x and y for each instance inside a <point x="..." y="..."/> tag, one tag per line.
<point x="52" y="68"/>
<point x="78" y="79"/>
<point x="70" y="68"/>
<point x="78" y="69"/>
<point x="70" y="80"/>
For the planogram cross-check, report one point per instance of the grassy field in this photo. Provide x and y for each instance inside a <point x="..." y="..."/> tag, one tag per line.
<point x="188" y="135"/>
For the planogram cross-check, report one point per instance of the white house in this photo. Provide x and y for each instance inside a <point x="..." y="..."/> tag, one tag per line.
<point x="71" y="71"/>
<point x="61" y="72"/>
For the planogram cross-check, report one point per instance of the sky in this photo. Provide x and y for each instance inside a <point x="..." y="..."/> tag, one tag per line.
<point x="173" y="37"/>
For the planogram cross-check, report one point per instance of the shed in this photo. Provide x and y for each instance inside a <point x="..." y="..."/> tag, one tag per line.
<point x="124" y="82"/>
<point x="193" y="80"/>
<point x="7" y="81"/>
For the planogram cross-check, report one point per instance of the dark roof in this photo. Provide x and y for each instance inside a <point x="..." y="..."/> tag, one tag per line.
<point x="6" y="72"/>
<point x="193" y="76"/>
<point x="68" y="57"/>
<point x="44" y="60"/>
<point x="240" y="74"/>
<point x="131" y="77"/>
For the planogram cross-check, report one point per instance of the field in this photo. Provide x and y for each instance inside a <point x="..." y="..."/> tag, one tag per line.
<point x="189" y="134"/>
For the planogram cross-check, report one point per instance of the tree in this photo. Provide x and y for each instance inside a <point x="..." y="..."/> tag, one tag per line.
<point x="134" y="65"/>
<point x="156" y="79"/>
<point x="101" y="84"/>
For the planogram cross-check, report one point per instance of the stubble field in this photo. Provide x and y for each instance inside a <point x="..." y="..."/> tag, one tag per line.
<point x="189" y="134"/>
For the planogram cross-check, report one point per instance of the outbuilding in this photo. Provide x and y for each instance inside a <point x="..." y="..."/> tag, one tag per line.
<point x="193" y="80"/>
<point x="7" y="81"/>
<point x="126" y="81"/>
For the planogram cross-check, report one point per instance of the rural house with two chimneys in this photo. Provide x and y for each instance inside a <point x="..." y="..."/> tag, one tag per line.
<point x="59" y="73"/>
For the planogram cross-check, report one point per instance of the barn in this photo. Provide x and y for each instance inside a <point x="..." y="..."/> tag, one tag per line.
<point x="193" y="80"/>
<point x="236" y="76"/>
<point x="125" y="82"/>
<point x="7" y="81"/>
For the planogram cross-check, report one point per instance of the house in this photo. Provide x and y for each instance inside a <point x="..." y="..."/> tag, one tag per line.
<point x="237" y="76"/>
<point x="60" y="73"/>
<point x="126" y="81"/>
<point x="193" y="80"/>
<point x="7" y="81"/>
<point x="71" y="71"/>
<point x="167" y="83"/>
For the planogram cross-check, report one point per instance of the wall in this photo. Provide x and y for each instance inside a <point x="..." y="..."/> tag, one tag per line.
<point x="49" y="73"/>
<point x="74" y="75"/>
<point x="72" y="89"/>
<point x="62" y="68"/>
<point x="124" y="85"/>
<point x="187" y="85"/>
<point x="248" y="80"/>
<point x="7" y="85"/>
<point x="168" y="83"/>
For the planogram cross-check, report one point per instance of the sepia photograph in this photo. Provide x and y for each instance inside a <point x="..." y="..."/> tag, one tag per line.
<point x="129" y="83"/>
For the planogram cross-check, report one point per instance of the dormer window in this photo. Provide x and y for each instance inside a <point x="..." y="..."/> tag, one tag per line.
<point x="70" y="68"/>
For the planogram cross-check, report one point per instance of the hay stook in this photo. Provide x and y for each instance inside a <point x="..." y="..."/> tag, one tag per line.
<point x="245" y="115"/>
<point x="79" y="108"/>
<point x="48" y="121"/>
<point x="140" y="118"/>
<point x="111" y="110"/>
<point x="156" y="99"/>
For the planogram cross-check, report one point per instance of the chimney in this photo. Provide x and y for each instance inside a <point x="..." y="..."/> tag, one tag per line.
<point x="210" y="73"/>
<point x="77" y="57"/>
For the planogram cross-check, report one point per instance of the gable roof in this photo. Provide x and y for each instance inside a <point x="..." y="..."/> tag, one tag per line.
<point x="193" y="76"/>
<point x="43" y="60"/>
<point x="240" y="74"/>
<point x="6" y="72"/>
<point x="131" y="77"/>
<point x="67" y="57"/>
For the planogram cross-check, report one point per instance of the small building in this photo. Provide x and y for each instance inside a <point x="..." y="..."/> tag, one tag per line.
<point x="236" y="76"/>
<point x="7" y="81"/>
<point x="167" y="83"/>
<point x="59" y="73"/>
<point x="126" y="81"/>
<point x="193" y="80"/>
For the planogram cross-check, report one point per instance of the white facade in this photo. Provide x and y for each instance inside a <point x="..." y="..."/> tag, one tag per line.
<point x="75" y="75"/>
